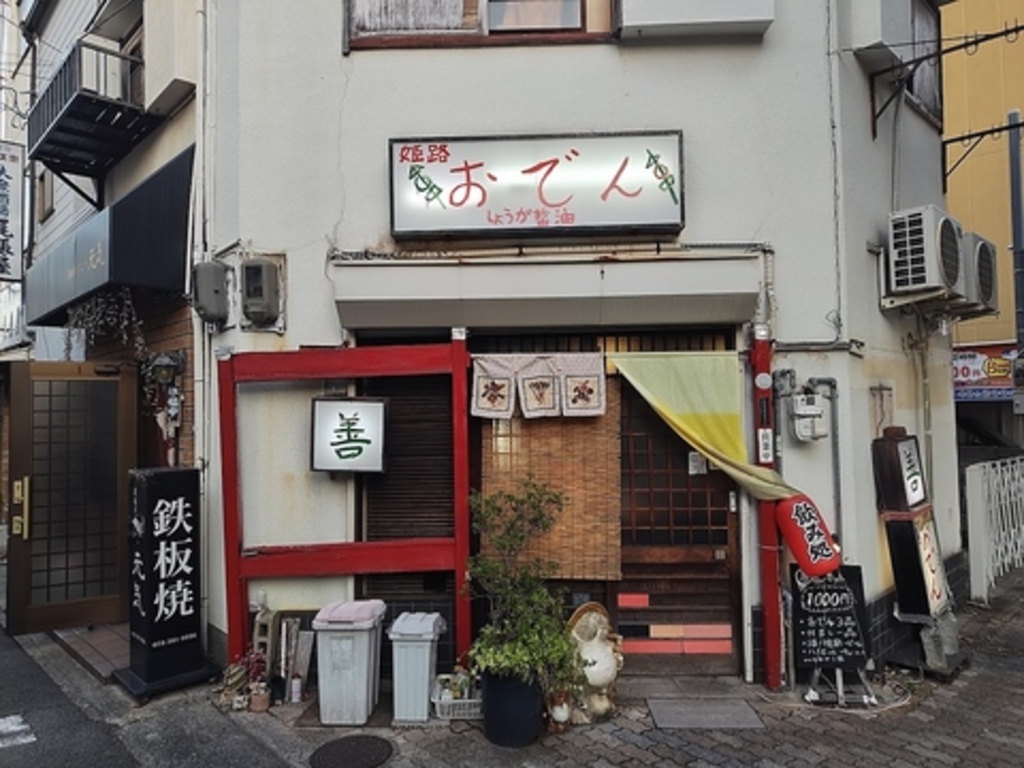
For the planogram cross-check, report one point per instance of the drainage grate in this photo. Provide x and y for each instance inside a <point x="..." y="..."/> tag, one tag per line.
<point x="352" y="752"/>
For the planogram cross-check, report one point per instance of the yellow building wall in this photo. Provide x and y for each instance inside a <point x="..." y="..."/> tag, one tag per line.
<point x="980" y="87"/>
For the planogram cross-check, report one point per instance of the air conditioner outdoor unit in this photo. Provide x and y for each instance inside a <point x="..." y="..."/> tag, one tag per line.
<point x="981" y="272"/>
<point x="925" y="252"/>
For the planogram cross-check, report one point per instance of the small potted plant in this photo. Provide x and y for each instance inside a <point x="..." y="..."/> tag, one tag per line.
<point x="524" y="655"/>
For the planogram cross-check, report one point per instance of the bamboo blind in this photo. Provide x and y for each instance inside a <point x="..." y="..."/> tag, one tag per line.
<point x="580" y="457"/>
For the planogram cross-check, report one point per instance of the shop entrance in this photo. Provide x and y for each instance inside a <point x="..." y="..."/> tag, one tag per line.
<point x="72" y="428"/>
<point x="679" y="597"/>
<point x="672" y="579"/>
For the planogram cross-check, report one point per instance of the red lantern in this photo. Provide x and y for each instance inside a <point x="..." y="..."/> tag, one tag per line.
<point x="807" y="536"/>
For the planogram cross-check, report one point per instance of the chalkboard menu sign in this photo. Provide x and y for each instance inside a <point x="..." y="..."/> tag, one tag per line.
<point x="829" y="619"/>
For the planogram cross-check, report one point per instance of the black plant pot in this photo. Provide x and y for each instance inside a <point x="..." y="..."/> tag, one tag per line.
<point x="512" y="710"/>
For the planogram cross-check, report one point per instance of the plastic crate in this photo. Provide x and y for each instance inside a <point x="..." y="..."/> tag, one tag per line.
<point x="455" y="709"/>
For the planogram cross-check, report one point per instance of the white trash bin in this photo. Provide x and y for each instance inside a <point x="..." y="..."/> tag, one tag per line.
<point x="414" y="644"/>
<point x="348" y="659"/>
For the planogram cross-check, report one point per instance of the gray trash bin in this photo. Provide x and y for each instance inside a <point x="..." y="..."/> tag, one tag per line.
<point x="414" y="644"/>
<point x="348" y="659"/>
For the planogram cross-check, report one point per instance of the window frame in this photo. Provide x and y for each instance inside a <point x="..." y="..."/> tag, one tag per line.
<point x="45" y="201"/>
<point x="526" y="27"/>
<point x="596" y="25"/>
<point x="924" y="87"/>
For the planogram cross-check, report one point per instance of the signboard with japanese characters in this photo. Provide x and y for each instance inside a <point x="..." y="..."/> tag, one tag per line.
<point x="806" y="534"/>
<point x="984" y="373"/>
<point x="829" y="619"/>
<point x="918" y="570"/>
<point x="164" y="618"/>
<point x="13" y="332"/>
<point x="11" y="180"/>
<point x="348" y="435"/>
<point x="899" y="474"/>
<point x="537" y="186"/>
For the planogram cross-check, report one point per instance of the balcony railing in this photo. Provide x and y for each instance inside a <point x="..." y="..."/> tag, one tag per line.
<point x="91" y="112"/>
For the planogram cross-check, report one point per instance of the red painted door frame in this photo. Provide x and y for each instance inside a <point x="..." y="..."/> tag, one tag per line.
<point x="351" y="558"/>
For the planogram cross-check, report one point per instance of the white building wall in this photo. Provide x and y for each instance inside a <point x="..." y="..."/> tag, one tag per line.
<point x="65" y="24"/>
<point x="777" y="149"/>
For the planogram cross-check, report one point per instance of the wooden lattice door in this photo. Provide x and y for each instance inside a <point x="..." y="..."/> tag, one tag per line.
<point x="679" y="596"/>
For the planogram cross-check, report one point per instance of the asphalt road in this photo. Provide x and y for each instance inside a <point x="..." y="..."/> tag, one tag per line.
<point x="40" y="726"/>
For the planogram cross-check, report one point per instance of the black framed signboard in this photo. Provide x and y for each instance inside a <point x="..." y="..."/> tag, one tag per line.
<point x="829" y="619"/>
<point x="166" y="648"/>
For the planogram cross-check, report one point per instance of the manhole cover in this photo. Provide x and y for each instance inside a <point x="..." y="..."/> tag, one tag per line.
<point x="352" y="752"/>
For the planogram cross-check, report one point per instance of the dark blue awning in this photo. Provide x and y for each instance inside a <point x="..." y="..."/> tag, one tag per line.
<point x="141" y="241"/>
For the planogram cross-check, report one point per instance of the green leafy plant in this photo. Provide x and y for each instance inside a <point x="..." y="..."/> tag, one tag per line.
<point x="526" y="635"/>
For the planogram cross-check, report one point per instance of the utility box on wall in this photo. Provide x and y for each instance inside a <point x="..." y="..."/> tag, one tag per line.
<point x="261" y="292"/>
<point x="210" y="291"/>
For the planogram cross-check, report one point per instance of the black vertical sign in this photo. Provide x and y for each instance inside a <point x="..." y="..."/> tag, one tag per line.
<point x="829" y="619"/>
<point x="166" y="647"/>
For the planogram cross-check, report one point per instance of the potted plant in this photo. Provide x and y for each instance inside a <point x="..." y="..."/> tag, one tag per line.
<point x="524" y="654"/>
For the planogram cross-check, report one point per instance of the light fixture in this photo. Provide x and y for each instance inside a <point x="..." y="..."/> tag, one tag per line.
<point x="165" y="366"/>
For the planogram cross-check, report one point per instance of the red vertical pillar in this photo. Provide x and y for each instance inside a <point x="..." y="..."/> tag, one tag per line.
<point x="235" y="585"/>
<point x="460" y="441"/>
<point x="764" y="424"/>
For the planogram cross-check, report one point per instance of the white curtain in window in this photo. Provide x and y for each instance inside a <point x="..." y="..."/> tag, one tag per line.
<point x="926" y="84"/>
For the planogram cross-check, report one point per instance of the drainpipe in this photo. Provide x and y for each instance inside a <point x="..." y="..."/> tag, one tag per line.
<point x="1017" y="221"/>
<point x="833" y="399"/>
<point x="768" y="533"/>
<point x="202" y="368"/>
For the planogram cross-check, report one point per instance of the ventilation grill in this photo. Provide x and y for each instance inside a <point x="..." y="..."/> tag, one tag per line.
<point x="986" y="273"/>
<point x="949" y="251"/>
<point x="925" y="252"/>
<point x="981" y="277"/>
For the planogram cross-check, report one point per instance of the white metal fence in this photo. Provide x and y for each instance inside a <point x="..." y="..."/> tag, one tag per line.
<point x="995" y="521"/>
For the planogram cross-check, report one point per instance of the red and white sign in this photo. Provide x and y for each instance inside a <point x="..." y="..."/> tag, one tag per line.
<point x="984" y="373"/>
<point x="533" y="186"/>
<point x="807" y="535"/>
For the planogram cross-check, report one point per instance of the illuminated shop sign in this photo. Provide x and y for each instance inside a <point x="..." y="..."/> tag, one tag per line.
<point x="536" y="186"/>
<point x="348" y="435"/>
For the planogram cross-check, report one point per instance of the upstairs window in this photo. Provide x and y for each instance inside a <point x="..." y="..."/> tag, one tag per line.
<point x="474" y="21"/>
<point x="926" y="83"/>
<point x="44" y="195"/>
<point x="534" y="15"/>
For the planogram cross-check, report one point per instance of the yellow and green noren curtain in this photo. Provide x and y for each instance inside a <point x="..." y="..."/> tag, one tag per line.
<point x="698" y="396"/>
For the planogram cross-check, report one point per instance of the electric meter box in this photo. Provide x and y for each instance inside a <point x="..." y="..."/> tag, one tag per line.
<point x="807" y="417"/>
<point x="261" y="291"/>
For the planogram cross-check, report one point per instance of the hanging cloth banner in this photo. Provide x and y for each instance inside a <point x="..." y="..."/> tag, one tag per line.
<point x="569" y="384"/>
<point x="581" y="377"/>
<point x="698" y="396"/>
<point x="538" y="388"/>
<point x="494" y="394"/>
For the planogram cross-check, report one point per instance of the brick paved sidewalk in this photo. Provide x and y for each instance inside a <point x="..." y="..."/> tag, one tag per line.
<point x="973" y="720"/>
